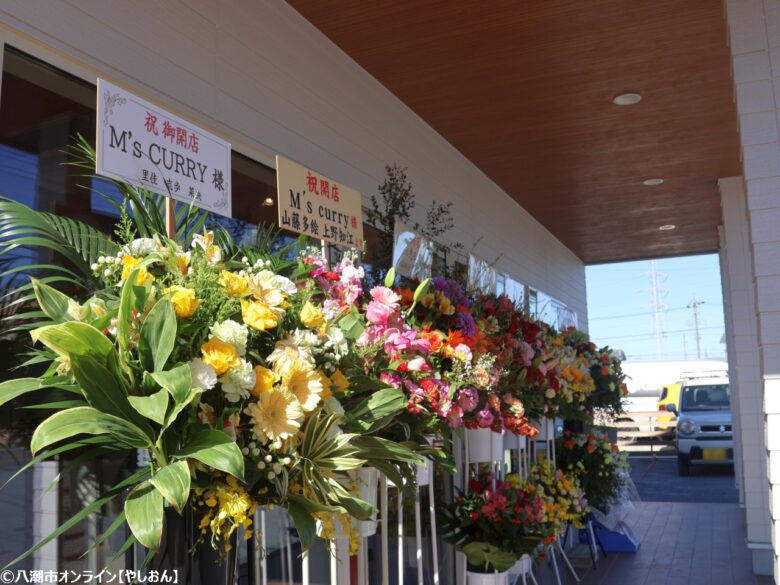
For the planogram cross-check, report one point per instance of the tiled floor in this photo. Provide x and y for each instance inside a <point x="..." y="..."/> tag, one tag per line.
<point x="681" y="544"/>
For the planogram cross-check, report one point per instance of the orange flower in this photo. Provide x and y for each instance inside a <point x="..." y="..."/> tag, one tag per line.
<point x="569" y="444"/>
<point x="407" y="295"/>
<point x="435" y="338"/>
<point x="590" y="448"/>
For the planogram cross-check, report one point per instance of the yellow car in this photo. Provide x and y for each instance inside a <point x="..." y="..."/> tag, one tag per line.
<point x="670" y="396"/>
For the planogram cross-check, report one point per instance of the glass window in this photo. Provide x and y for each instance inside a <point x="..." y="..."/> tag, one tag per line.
<point x="711" y="397"/>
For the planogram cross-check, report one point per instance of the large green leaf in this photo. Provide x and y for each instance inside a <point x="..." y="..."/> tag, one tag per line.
<point x="144" y="513"/>
<point x="216" y="449"/>
<point x="304" y="522"/>
<point x="173" y="482"/>
<point x="52" y="302"/>
<point x="489" y="557"/>
<point x="158" y="335"/>
<point x="86" y="420"/>
<point x="177" y="382"/>
<point x="74" y="338"/>
<point x="152" y="407"/>
<point x="379" y="405"/>
<point x="102" y="389"/>
<point x="11" y="389"/>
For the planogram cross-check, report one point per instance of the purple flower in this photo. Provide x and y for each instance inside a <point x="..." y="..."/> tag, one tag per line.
<point x="485" y="417"/>
<point x="465" y="322"/>
<point x="467" y="399"/>
<point x="393" y="380"/>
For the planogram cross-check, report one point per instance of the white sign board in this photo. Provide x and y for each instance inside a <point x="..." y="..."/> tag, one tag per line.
<point x="142" y="144"/>
<point x="317" y="206"/>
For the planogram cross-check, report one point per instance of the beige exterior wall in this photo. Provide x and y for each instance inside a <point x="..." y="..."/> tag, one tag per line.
<point x="739" y="299"/>
<point x="259" y="75"/>
<point x="754" y="35"/>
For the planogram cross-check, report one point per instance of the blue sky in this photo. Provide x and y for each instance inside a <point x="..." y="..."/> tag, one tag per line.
<point x="620" y="307"/>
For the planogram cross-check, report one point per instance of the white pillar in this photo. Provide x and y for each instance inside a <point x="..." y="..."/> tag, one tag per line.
<point x="739" y="299"/>
<point x="754" y="35"/>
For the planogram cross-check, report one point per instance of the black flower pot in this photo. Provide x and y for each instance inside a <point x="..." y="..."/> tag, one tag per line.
<point x="194" y="563"/>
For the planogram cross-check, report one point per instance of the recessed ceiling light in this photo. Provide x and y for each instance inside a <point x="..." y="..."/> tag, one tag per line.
<point x="668" y="227"/>
<point x="268" y="202"/>
<point x="652" y="182"/>
<point x="627" y="99"/>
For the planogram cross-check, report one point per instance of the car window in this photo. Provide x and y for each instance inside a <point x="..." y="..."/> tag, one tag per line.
<point x="715" y="397"/>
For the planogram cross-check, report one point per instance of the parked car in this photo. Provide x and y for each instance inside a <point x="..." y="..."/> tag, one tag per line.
<point x="703" y="422"/>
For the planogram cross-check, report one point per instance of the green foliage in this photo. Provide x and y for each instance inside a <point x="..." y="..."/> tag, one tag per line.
<point x="144" y="513"/>
<point x="216" y="449"/>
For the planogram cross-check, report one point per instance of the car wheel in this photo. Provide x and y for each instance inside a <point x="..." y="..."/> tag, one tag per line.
<point x="683" y="466"/>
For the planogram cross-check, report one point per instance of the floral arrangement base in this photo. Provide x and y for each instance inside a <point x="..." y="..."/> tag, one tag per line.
<point x="487" y="578"/>
<point x="483" y="445"/>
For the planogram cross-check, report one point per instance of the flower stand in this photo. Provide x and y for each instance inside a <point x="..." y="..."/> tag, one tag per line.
<point x="524" y="568"/>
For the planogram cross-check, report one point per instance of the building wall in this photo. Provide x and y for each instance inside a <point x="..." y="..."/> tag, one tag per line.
<point x="754" y="35"/>
<point x="261" y="76"/>
<point x="744" y="371"/>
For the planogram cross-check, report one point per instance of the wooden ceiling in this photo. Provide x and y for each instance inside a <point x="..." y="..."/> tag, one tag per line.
<point x="524" y="89"/>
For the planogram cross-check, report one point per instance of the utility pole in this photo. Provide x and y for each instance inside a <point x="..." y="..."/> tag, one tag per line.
<point x="695" y="306"/>
<point x="658" y="307"/>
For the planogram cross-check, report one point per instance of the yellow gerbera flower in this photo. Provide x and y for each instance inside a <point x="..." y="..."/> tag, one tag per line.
<point x="325" y="381"/>
<point x="220" y="355"/>
<point x="259" y="315"/>
<point x="305" y="385"/>
<point x="275" y="416"/>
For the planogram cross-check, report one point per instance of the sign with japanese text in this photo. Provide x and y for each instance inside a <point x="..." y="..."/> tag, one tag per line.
<point x="142" y="144"/>
<point x="318" y="207"/>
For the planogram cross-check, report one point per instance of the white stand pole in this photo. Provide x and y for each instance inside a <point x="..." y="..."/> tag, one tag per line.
<point x="566" y="560"/>
<point x="400" y="536"/>
<point x="304" y="568"/>
<point x="434" y="542"/>
<point x="418" y="539"/>
<point x="362" y="563"/>
<point x="342" y="562"/>
<point x="262" y="565"/>
<point x="288" y="546"/>
<point x="385" y="530"/>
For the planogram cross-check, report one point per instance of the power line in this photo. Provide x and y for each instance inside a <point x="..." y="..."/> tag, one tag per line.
<point x="651" y="334"/>
<point x="634" y="314"/>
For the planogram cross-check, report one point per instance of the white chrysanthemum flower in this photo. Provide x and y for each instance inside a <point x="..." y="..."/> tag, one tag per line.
<point x="203" y="375"/>
<point x="305" y="338"/>
<point x="141" y="247"/>
<point x="238" y="381"/>
<point x="231" y="332"/>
